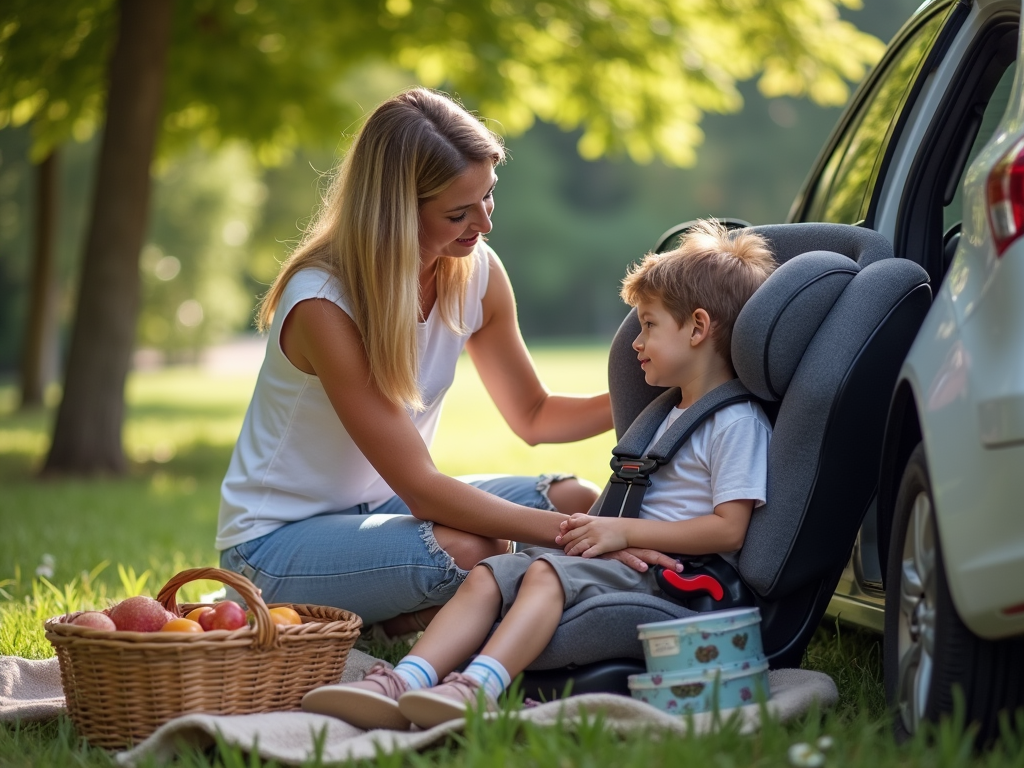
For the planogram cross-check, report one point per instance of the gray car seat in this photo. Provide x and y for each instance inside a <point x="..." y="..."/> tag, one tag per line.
<point x="820" y="344"/>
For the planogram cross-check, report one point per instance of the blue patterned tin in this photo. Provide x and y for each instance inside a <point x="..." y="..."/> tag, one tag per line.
<point x="705" y="641"/>
<point x="698" y="690"/>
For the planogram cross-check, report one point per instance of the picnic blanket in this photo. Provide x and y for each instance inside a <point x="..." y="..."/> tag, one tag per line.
<point x="291" y="738"/>
<point x="30" y="689"/>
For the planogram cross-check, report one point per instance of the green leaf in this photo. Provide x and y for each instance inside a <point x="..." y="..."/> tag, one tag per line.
<point x="132" y="584"/>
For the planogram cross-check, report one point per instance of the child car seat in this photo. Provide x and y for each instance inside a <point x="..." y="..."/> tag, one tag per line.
<point x="820" y="345"/>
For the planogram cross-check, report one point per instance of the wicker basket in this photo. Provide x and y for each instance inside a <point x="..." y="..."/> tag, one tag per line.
<point x="121" y="686"/>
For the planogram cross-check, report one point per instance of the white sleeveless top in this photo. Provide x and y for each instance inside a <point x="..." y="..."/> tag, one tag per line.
<point x="293" y="458"/>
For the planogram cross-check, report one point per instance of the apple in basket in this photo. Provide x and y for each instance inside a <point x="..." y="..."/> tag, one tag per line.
<point x="226" y="615"/>
<point x="202" y="615"/>
<point x="139" y="614"/>
<point x="94" y="620"/>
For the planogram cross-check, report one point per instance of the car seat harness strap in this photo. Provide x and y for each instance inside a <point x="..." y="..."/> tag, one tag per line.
<point x="632" y="470"/>
<point x="708" y="582"/>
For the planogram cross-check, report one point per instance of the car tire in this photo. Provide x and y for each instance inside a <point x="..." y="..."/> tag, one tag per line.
<point x="928" y="651"/>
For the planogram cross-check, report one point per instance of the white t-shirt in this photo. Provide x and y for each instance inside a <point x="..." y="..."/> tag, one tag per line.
<point x="725" y="459"/>
<point x="293" y="458"/>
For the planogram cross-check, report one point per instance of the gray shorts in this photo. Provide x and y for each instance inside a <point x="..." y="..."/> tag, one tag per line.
<point x="581" y="578"/>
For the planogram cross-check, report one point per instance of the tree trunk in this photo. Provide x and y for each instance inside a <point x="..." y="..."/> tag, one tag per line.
<point x="39" y="352"/>
<point x="87" y="433"/>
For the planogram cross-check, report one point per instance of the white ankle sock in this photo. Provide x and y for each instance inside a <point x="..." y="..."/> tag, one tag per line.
<point x="417" y="672"/>
<point x="490" y="673"/>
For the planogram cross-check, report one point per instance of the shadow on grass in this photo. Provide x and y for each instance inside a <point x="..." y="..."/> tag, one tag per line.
<point x="158" y="517"/>
<point x="852" y="657"/>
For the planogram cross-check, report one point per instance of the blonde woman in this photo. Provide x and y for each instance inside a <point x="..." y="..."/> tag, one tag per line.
<point x="331" y="496"/>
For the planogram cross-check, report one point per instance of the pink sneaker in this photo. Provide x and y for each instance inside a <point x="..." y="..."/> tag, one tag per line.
<point x="428" y="707"/>
<point x="370" y="703"/>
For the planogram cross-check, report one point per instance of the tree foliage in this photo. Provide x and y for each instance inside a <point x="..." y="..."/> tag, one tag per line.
<point x="636" y="75"/>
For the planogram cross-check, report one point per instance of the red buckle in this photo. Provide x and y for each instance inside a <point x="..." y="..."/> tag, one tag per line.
<point x="696" y="583"/>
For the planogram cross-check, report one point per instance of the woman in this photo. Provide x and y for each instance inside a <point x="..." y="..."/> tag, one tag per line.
<point x="331" y="496"/>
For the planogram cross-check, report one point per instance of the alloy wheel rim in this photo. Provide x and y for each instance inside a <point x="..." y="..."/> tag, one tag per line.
<point x="916" y="635"/>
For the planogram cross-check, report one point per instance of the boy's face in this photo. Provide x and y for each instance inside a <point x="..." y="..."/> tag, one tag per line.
<point x="663" y="347"/>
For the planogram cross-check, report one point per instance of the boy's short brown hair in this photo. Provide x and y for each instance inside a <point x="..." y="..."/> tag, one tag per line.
<point x="710" y="270"/>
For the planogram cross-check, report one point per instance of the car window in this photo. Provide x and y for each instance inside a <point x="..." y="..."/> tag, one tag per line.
<point x="994" y="111"/>
<point x="849" y="175"/>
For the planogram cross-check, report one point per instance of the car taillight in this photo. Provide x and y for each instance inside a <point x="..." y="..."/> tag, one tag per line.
<point x="1006" y="198"/>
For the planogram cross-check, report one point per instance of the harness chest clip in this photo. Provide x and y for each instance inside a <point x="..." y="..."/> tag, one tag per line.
<point x="629" y="470"/>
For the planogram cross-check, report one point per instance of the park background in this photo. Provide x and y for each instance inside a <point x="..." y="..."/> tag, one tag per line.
<point x="221" y="219"/>
<point x="565" y="227"/>
<point x="223" y="215"/>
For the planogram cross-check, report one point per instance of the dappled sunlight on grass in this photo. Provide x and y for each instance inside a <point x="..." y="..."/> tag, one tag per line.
<point x="176" y="410"/>
<point x="30" y="443"/>
<point x="152" y="521"/>
<point x="161" y="517"/>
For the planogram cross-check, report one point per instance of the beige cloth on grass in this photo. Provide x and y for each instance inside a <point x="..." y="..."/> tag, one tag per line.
<point x="30" y="690"/>
<point x="290" y="737"/>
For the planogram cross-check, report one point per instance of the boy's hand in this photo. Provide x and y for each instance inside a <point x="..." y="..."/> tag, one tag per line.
<point x="589" y="536"/>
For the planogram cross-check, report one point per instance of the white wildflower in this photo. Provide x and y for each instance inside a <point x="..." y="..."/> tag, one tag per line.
<point x="805" y="756"/>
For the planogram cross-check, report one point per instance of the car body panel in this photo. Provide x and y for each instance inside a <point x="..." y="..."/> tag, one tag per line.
<point x="976" y="508"/>
<point x="967" y="371"/>
<point x="966" y="367"/>
<point x="851" y="603"/>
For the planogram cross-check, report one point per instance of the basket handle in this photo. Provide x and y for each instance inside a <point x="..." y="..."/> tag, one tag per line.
<point x="266" y="629"/>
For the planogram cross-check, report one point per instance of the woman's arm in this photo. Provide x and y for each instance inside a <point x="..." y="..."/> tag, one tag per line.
<point x="320" y="339"/>
<point x="507" y="371"/>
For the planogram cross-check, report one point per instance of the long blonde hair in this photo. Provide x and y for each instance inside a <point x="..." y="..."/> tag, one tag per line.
<point x="366" y="233"/>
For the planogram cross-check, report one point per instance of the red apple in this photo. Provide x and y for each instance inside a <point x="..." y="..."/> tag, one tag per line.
<point x="94" y="620"/>
<point x="226" y="615"/>
<point x="195" y="613"/>
<point x="139" y="614"/>
<point x="204" y="616"/>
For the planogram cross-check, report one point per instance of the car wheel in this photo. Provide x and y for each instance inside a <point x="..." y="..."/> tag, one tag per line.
<point x="929" y="652"/>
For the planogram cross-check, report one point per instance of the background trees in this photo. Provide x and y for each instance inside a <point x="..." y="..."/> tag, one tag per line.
<point x="635" y="76"/>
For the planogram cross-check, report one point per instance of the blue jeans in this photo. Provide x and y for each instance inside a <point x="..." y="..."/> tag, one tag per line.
<point x="378" y="564"/>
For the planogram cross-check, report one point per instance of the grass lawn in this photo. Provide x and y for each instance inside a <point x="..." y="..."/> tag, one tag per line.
<point x="69" y="544"/>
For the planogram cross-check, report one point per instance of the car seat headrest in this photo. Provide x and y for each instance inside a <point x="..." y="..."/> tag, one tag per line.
<point x="862" y="245"/>
<point x="778" y="322"/>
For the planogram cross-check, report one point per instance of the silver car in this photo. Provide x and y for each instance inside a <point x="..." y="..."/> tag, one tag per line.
<point x="930" y="153"/>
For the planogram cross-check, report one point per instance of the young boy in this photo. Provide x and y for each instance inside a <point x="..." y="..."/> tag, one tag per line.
<point x="687" y="301"/>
